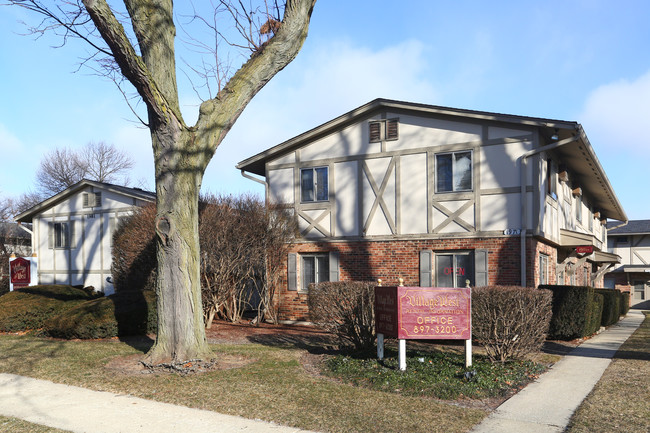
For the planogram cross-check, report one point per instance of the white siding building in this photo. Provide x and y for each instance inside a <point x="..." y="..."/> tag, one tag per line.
<point x="72" y="232"/>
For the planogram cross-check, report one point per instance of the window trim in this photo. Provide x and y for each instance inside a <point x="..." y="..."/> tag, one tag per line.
<point x="304" y="286"/>
<point x="469" y="273"/>
<point x="471" y="171"/>
<point x="315" y="184"/>
<point x="551" y="179"/>
<point x="544" y="274"/>
<point x="57" y="231"/>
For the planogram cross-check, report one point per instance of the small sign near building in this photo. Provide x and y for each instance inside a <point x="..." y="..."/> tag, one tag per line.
<point x="423" y="313"/>
<point x="587" y="249"/>
<point x="22" y="272"/>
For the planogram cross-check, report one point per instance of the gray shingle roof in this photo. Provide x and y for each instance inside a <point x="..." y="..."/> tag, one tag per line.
<point x="632" y="227"/>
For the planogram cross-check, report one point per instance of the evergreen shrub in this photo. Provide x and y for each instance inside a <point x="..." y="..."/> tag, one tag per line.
<point x="625" y="303"/>
<point x="576" y="311"/>
<point x="611" y="306"/>
<point x="345" y="309"/>
<point x="121" y="314"/>
<point x="510" y="321"/>
<point x="32" y="307"/>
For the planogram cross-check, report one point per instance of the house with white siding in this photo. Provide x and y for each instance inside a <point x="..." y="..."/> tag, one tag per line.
<point x="631" y="241"/>
<point x="441" y="197"/>
<point x="72" y="232"/>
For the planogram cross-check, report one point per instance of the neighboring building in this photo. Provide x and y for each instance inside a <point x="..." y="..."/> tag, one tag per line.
<point x="73" y="232"/>
<point x="631" y="241"/>
<point x="438" y="196"/>
<point x="15" y="239"/>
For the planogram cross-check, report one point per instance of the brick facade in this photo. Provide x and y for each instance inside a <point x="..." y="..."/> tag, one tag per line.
<point x="393" y="259"/>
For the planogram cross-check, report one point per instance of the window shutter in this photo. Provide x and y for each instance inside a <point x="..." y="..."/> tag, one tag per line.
<point x="392" y="129"/>
<point x="425" y="268"/>
<point x="98" y="199"/>
<point x="292" y="272"/>
<point x="50" y="235"/>
<point x="334" y="265"/>
<point x="480" y="268"/>
<point x="375" y="131"/>
<point x="86" y="204"/>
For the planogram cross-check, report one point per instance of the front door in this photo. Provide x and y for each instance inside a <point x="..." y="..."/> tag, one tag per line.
<point x="640" y="292"/>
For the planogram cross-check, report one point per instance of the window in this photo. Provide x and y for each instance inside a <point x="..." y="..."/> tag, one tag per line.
<point x="92" y="199"/>
<point x="551" y="182"/>
<point x="543" y="269"/>
<point x="454" y="172"/>
<point x="61" y="235"/>
<point x="590" y="216"/>
<point x="380" y="130"/>
<point x="315" y="269"/>
<point x="560" y="278"/>
<point x="452" y="270"/>
<point x="639" y="290"/>
<point x="314" y="184"/>
<point x="579" y="209"/>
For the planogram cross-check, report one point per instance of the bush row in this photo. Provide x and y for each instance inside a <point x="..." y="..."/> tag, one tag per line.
<point x="67" y="312"/>
<point x="580" y="311"/>
<point x="509" y="321"/>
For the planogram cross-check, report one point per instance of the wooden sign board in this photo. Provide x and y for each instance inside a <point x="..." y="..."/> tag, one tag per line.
<point x="415" y="313"/>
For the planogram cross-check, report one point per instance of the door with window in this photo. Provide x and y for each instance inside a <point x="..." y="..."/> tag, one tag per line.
<point x="640" y="292"/>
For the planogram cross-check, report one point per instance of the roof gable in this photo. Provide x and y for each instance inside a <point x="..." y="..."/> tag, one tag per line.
<point x="136" y="193"/>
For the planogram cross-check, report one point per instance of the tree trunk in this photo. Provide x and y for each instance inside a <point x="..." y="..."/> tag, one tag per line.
<point x="178" y="285"/>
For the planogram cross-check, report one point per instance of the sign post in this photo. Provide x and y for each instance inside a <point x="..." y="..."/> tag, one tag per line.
<point x="423" y="313"/>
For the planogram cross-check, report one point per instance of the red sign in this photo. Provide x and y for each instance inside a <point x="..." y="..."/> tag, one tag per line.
<point x="20" y="271"/>
<point x="585" y="250"/>
<point x="410" y="313"/>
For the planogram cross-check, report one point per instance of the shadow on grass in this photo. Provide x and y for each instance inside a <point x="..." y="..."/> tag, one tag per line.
<point x="23" y="356"/>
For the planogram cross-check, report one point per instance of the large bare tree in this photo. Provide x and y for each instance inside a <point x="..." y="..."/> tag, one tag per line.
<point x="63" y="167"/>
<point x="181" y="151"/>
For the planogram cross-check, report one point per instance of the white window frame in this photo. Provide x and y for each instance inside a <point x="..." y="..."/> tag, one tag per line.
<point x="543" y="269"/>
<point x="315" y="184"/>
<point x="304" y="281"/>
<point x="453" y="171"/>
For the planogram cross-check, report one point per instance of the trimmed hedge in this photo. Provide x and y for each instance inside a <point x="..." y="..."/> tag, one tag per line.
<point x="611" y="306"/>
<point x="510" y="321"/>
<point x="345" y="309"/>
<point x="577" y="311"/>
<point x="30" y="308"/>
<point x="625" y="303"/>
<point x="118" y="315"/>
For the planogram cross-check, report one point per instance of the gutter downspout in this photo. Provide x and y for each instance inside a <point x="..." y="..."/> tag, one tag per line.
<point x="524" y="206"/>
<point x="260" y="181"/>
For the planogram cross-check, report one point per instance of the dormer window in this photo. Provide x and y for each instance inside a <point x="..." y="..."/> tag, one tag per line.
<point x="383" y="130"/>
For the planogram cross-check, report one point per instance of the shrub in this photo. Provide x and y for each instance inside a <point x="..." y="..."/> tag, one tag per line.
<point x="625" y="303"/>
<point x="118" y="315"/>
<point x="134" y="251"/>
<point x="510" y="321"/>
<point x="574" y="312"/>
<point x="31" y="307"/>
<point x="345" y="309"/>
<point x="611" y="306"/>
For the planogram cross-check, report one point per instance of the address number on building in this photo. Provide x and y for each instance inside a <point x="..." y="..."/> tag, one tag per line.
<point x="510" y="232"/>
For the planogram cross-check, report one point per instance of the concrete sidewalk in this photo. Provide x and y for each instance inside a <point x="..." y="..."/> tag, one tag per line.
<point x="82" y="410"/>
<point x="546" y="406"/>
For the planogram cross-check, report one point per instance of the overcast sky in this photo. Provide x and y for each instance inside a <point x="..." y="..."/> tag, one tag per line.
<point x="586" y="61"/>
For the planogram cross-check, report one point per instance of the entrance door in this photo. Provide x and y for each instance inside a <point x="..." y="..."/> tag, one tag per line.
<point x="640" y="292"/>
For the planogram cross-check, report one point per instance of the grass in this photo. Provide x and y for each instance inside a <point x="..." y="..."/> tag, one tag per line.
<point x="620" y="402"/>
<point x="275" y="387"/>
<point x="15" y="425"/>
<point x="440" y="374"/>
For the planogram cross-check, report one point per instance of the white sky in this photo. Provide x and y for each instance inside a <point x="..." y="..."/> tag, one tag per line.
<point x="584" y="61"/>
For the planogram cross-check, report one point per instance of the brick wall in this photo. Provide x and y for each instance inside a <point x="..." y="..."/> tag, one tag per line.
<point x="391" y="260"/>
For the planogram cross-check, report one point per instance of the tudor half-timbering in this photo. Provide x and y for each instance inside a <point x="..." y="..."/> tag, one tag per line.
<point x="438" y="196"/>
<point x="631" y="241"/>
<point x="73" y="231"/>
